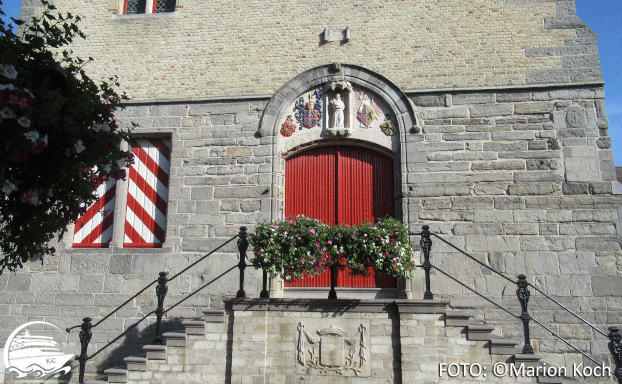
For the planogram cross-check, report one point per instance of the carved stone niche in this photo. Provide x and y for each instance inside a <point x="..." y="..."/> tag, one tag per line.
<point x="339" y="104"/>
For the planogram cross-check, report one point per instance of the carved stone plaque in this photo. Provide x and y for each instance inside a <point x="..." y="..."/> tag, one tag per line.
<point x="575" y="117"/>
<point x="333" y="348"/>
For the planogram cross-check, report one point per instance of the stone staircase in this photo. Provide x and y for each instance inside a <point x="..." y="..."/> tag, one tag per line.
<point x="199" y="355"/>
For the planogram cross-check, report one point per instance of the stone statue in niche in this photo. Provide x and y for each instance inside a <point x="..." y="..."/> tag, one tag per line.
<point x="339" y="97"/>
<point x="338" y="106"/>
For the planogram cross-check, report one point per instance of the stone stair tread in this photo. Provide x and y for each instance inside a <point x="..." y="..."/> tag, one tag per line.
<point x="116" y="375"/>
<point x="522" y="356"/>
<point x="152" y="347"/>
<point x="95" y="382"/>
<point x="173" y="335"/>
<point x="500" y="340"/>
<point x="115" y="371"/>
<point x="453" y="313"/>
<point x="193" y="323"/>
<point x="481" y="328"/>
<point x="135" y="359"/>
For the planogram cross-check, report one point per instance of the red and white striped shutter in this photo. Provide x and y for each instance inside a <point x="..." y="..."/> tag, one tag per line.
<point x="147" y="197"/>
<point x="94" y="228"/>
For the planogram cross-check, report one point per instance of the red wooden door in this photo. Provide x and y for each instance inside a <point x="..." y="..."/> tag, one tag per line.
<point x="340" y="184"/>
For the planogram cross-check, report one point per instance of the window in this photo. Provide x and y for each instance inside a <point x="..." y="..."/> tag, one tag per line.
<point x="131" y="7"/>
<point x="94" y="228"/>
<point x="146" y="202"/>
<point x="147" y="194"/>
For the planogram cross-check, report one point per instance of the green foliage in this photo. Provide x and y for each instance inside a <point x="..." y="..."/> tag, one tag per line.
<point x="301" y="246"/>
<point x="383" y="246"/>
<point x="60" y="137"/>
<point x="293" y="247"/>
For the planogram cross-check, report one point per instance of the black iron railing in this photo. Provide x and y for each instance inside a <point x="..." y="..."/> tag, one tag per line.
<point x="523" y="294"/>
<point x="161" y="291"/>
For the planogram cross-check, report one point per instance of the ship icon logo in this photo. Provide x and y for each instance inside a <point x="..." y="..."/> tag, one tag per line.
<point x="30" y="351"/>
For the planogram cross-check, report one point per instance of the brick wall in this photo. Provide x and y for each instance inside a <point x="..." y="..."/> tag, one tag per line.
<point x="220" y="49"/>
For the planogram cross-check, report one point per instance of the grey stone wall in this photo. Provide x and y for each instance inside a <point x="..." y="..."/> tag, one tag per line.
<point x="521" y="179"/>
<point x="220" y="174"/>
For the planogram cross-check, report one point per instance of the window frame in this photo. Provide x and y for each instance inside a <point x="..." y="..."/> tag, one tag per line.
<point x="150" y="8"/>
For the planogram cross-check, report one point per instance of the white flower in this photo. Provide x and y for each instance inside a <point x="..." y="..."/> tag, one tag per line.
<point x="10" y="87"/>
<point x="101" y="127"/>
<point x="108" y="168"/>
<point x="6" y="113"/>
<point x="79" y="147"/>
<point x="121" y="164"/>
<point x="45" y="139"/>
<point x="8" y="71"/>
<point x="32" y="135"/>
<point x="30" y="93"/>
<point x="24" y="121"/>
<point x="8" y="187"/>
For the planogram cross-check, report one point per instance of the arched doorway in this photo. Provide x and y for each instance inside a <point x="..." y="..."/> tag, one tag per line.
<point x="340" y="184"/>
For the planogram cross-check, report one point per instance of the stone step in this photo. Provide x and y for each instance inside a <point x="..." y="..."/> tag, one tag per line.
<point x="457" y="318"/>
<point x="479" y="332"/>
<point x="174" y="339"/>
<point x="116" y="375"/>
<point x="155" y="352"/>
<point x="527" y="360"/>
<point x="214" y="315"/>
<point x="194" y="327"/>
<point x="95" y="382"/>
<point x="136" y="363"/>
<point x="502" y="346"/>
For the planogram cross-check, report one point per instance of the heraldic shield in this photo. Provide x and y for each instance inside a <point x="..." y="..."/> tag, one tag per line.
<point x="309" y="112"/>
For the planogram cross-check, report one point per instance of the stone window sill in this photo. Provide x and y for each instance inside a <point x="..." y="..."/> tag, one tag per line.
<point x="145" y="15"/>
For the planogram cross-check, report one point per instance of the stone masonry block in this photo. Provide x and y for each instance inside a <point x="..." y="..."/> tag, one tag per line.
<point x="492" y="243"/>
<point x="444" y="113"/>
<point x="534" y="108"/>
<point x="606" y="285"/>
<point x="473" y="98"/>
<point x="491" y="110"/>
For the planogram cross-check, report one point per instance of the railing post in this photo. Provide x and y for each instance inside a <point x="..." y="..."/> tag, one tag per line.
<point x="264" y="294"/>
<point x="85" y="337"/>
<point x="161" y="290"/>
<point x="523" y="296"/>
<point x="332" y="294"/>
<point x="426" y="246"/>
<point x="242" y="246"/>
<point x="615" y="347"/>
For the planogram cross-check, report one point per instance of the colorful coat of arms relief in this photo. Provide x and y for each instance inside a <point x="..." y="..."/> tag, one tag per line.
<point x="289" y="127"/>
<point x="309" y="112"/>
<point x="388" y="127"/>
<point x="366" y="114"/>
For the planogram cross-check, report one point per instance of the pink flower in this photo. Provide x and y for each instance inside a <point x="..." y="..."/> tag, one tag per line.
<point x="39" y="146"/>
<point x="30" y="197"/>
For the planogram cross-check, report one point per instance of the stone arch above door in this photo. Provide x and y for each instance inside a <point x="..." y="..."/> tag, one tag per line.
<point x="359" y="89"/>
